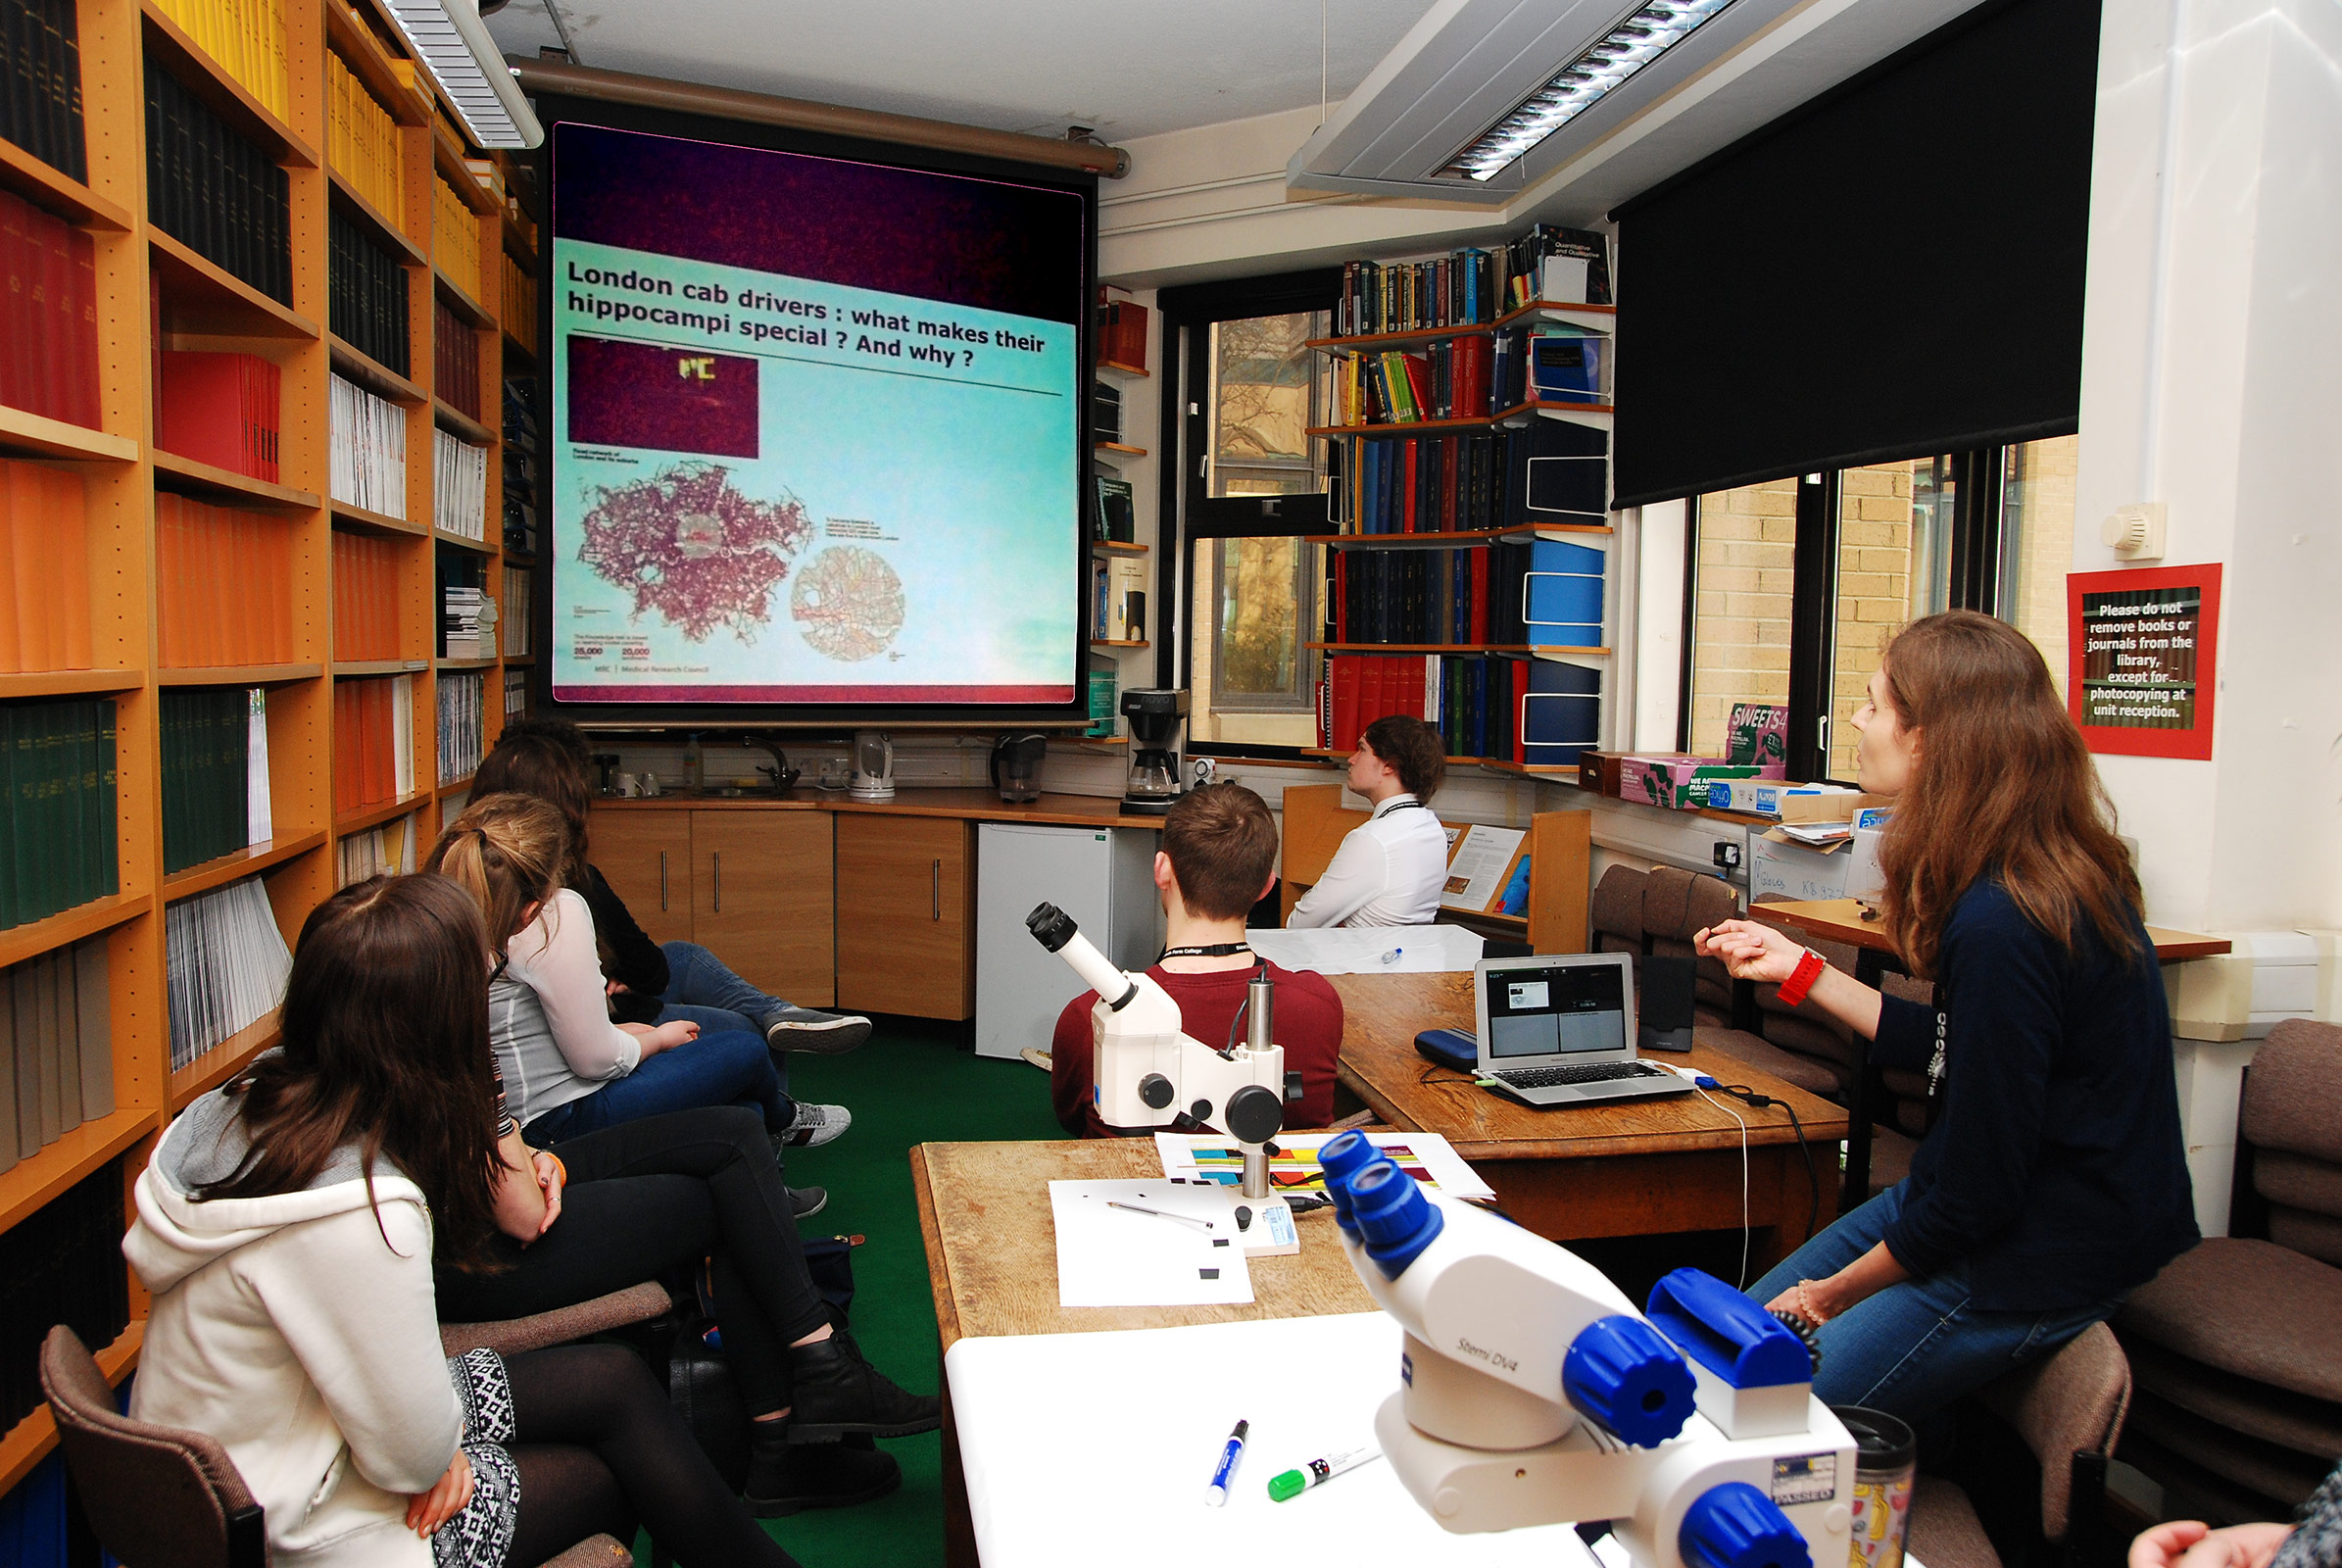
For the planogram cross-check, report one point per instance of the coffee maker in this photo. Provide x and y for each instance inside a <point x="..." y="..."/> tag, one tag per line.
<point x="1016" y="762"/>
<point x="1159" y="738"/>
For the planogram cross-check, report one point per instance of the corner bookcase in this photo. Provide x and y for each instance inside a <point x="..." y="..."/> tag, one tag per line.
<point x="204" y="307"/>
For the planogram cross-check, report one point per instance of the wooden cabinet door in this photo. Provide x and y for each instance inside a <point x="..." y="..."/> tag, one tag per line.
<point x="906" y="914"/>
<point x="645" y="858"/>
<point x="760" y="900"/>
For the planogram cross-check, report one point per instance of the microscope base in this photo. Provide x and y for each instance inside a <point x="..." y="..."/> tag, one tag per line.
<point x="1271" y="1233"/>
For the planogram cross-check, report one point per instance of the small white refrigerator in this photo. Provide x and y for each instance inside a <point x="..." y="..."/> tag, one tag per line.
<point x="1103" y="878"/>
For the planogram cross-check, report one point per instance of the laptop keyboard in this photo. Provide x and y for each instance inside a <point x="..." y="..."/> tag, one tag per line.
<point x="1591" y="1073"/>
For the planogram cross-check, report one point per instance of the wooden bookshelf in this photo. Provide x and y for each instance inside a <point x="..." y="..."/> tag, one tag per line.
<point x="1584" y="533"/>
<point x="1420" y="648"/>
<point x="1115" y="547"/>
<point x="1600" y="319"/>
<point x="205" y="306"/>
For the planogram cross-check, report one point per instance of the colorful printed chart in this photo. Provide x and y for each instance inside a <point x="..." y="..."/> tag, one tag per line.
<point x="1295" y="1168"/>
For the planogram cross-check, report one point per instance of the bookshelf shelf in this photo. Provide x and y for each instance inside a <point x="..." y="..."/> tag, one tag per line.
<point x="515" y="349"/>
<point x="28" y="1442"/>
<point x="1115" y="547"/>
<point x="351" y="517"/>
<point x="1119" y="449"/>
<point x="246" y="862"/>
<point x="1568" y="654"/>
<point x="448" y="536"/>
<point x="463" y="663"/>
<point x="187" y="476"/>
<point x="1420" y="648"/>
<point x="223" y="1060"/>
<point x="379" y="227"/>
<point x="457" y="422"/>
<point x="455" y="786"/>
<point x="240" y="675"/>
<point x="468" y="310"/>
<point x="379" y="813"/>
<point x="448" y="156"/>
<point x="1575" y="533"/>
<point x="1592" y="317"/>
<point x="63" y="929"/>
<point x="226" y="97"/>
<point x="356" y="43"/>
<point x="519" y="558"/>
<point x="1597" y="415"/>
<point x="1135" y="372"/>
<point x="521" y="248"/>
<point x="68" y="197"/>
<point x="39" y="1177"/>
<point x="1593" y="415"/>
<point x="348" y="669"/>
<point x="353" y="366"/>
<point x="520" y="660"/>
<point x="69" y="682"/>
<point x="200" y="297"/>
<point x="1117" y="642"/>
<point x="33" y="435"/>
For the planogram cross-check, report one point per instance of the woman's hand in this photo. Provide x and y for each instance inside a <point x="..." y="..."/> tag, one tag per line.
<point x="1749" y="951"/>
<point x="1817" y="1301"/>
<point x="550" y="1181"/>
<point x="426" y="1511"/>
<point x="2187" y="1544"/>
<point x="665" y="1037"/>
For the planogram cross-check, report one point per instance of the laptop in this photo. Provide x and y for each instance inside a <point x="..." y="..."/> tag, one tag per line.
<point x="1559" y="1030"/>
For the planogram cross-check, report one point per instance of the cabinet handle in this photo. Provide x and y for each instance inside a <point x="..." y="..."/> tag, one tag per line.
<point x="718" y="889"/>
<point x="935" y="893"/>
<point x="663" y="881"/>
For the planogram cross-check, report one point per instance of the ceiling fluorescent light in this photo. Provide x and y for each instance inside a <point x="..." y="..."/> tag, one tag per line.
<point x="1639" y="37"/>
<point x="453" y="46"/>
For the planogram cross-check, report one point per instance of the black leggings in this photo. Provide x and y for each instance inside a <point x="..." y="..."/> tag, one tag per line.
<point x="600" y="1448"/>
<point x="645" y="1195"/>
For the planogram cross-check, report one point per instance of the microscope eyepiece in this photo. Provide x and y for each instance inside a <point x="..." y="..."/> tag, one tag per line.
<point x="1051" y="926"/>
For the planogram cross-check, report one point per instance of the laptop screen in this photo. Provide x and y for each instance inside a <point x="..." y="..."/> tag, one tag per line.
<point x="1557" y="1011"/>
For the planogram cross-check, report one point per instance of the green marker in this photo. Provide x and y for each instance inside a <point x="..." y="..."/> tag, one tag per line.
<point x="1317" y="1472"/>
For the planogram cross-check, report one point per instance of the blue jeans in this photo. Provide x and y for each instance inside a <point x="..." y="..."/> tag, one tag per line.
<point x="1914" y="1347"/>
<point x="703" y="989"/>
<point x="722" y="1067"/>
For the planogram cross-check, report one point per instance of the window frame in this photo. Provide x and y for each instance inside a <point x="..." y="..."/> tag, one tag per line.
<point x="1187" y="516"/>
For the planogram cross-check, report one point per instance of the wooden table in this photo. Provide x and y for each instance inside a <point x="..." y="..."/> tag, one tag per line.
<point x="1634" y="1168"/>
<point x="991" y="1260"/>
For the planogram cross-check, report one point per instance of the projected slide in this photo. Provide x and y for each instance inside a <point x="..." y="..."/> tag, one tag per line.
<point x="816" y="428"/>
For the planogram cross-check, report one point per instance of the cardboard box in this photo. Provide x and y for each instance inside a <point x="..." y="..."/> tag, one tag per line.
<point x="1758" y="735"/>
<point x="1780" y="867"/>
<point x="1678" y="783"/>
<point x="1864" y="879"/>
<point x="1767" y="796"/>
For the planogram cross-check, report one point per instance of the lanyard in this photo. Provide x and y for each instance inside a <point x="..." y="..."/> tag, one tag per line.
<point x="1218" y="950"/>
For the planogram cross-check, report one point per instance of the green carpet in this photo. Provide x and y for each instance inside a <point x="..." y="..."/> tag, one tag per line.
<point x="913" y="1082"/>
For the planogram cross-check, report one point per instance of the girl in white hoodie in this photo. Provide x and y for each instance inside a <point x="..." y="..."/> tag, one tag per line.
<point x="287" y="1228"/>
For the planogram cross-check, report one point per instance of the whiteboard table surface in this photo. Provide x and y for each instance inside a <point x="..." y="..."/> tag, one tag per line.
<point x="1362" y="950"/>
<point x="1088" y="1449"/>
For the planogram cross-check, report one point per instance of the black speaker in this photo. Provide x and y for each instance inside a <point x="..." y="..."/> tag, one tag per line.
<point x="1666" y="1015"/>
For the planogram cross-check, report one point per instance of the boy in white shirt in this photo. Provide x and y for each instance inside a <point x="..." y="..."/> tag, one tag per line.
<point x="1387" y="871"/>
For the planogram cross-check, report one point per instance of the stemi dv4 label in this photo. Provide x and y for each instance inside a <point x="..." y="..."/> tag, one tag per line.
<point x="1804" y="1478"/>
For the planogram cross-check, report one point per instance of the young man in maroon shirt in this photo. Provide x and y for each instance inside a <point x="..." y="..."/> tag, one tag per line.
<point x="1219" y="857"/>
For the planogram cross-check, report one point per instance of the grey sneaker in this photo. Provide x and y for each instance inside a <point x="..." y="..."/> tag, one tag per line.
<point x="1045" y="1061"/>
<point x="803" y="1029"/>
<point x="814" y="1126"/>
<point x="806" y="1202"/>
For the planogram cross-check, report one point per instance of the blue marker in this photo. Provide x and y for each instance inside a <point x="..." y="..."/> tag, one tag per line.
<point x="1217" y="1493"/>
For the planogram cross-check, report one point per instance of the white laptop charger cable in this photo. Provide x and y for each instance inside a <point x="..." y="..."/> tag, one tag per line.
<point x="1701" y="1082"/>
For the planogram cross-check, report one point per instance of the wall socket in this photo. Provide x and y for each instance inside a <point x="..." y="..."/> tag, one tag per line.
<point x="2135" y="532"/>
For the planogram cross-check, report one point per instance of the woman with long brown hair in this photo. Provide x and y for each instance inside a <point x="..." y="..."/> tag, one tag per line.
<point x="286" y="1226"/>
<point x="2053" y="1182"/>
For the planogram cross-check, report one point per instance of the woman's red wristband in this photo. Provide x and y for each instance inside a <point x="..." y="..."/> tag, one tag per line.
<point x="1809" y="969"/>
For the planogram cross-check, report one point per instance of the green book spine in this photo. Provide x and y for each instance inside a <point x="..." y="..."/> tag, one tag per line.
<point x="169" y="755"/>
<point x="81" y="784"/>
<point x="108" y="825"/>
<point x="56" y="893"/>
<point x="8" y="831"/>
<point x="23" y="753"/>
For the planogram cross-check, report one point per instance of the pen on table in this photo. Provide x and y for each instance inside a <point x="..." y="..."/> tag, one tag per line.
<point x="1317" y="1472"/>
<point x="1217" y="1493"/>
<point x="1184" y="1219"/>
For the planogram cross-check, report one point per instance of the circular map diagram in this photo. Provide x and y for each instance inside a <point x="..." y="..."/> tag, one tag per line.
<point x="847" y="602"/>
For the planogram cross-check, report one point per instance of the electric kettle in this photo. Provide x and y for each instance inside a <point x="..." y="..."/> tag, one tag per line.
<point x="873" y="767"/>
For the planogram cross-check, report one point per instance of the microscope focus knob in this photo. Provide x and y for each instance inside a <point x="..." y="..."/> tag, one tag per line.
<point x="1254" y="1113"/>
<point x="1154" y="1090"/>
<point x="1620" y="1373"/>
<point x="1737" y="1525"/>
<point x="1293" y="1086"/>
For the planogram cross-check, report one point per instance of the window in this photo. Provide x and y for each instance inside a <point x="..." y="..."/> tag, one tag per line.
<point x="1799" y="582"/>
<point x="1251" y="482"/>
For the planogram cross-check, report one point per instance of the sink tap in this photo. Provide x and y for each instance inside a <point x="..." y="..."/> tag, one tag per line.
<point x="783" y="775"/>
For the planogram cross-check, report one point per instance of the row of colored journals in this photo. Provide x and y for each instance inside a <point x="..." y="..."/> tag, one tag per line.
<point x="1543" y="473"/>
<point x="365" y="294"/>
<point x="215" y="773"/>
<point x="361" y="143"/>
<point x="213" y="191"/>
<point x="246" y="37"/>
<point x="365" y="597"/>
<point x="41" y="82"/>
<point x="460" y="485"/>
<point x="224" y="963"/>
<point x="385" y="851"/>
<point x="1411" y="596"/>
<point x="59" y="849"/>
<point x="367" y="457"/>
<point x="1445" y="380"/>
<point x="219" y="409"/>
<point x="62" y="1264"/>
<point x="1530" y="711"/>
<point x="463" y="713"/>
<point x="1466" y="287"/>
<point x="517" y="700"/>
<point x="49" y="318"/>
<point x="519" y="314"/>
<point x="44" y="568"/>
<point x="374" y="741"/>
<point x="454" y="361"/>
<point x="462" y="579"/>
<point x="456" y="238"/>
<point x="224" y="582"/>
<point x="56" y="1048"/>
<point x="519" y="467"/>
<point x="514" y="614"/>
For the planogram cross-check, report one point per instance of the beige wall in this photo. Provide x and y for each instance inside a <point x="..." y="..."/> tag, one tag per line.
<point x="1874" y="591"/>
<point x="1740" y="645"/>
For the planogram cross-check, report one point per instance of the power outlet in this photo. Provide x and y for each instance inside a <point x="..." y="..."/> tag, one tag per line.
<point x="2135" y="532"/>
<point x="1727" y="856"/>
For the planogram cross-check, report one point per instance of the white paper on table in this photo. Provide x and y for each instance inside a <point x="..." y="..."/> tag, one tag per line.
<point x="1117" y="1257"/>
<point x="1208" y="1158"/>
<point x="1475" y="869"/>
<point x="1371" y="948"/>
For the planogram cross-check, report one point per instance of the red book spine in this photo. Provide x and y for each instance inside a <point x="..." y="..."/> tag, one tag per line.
<point x="1347" y="696"/>
<point x="345" y="739"/>
<point x="1341" y="596"/>
<point x="84" y="260"/>
<point x="17" y="354"/>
